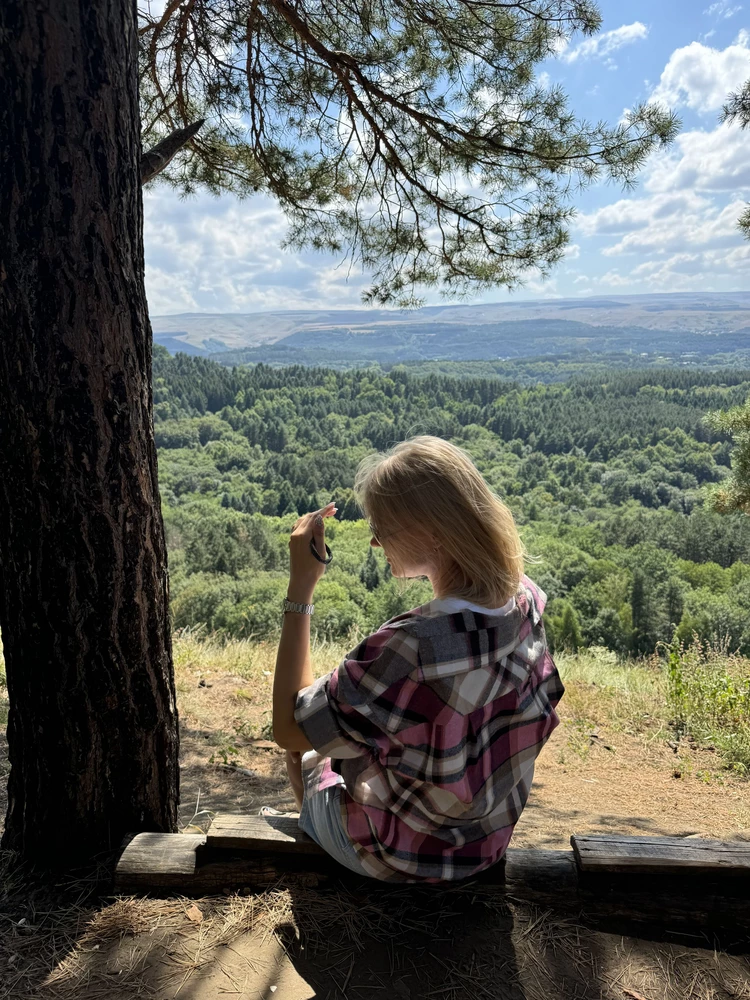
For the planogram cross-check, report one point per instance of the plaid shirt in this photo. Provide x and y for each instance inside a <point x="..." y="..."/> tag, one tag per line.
<point x="432" y="726"/>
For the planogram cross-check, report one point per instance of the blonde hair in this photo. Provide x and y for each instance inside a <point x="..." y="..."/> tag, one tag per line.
<point x="432" y="487"/>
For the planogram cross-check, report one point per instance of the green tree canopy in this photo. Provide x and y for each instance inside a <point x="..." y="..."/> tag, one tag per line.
<point x="369" y="574"/>
<point x="734" y="492"/>
<point x="737" y="109"/>
<point x="415" y="137"/>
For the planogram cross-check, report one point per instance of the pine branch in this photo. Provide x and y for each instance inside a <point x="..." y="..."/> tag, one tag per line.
<point x="157" y="158"/>
<point x="415" y="138"/>
<point x="737" y="107"/>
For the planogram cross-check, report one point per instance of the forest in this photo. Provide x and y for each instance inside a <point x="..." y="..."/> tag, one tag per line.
<point x="607" y="474"/>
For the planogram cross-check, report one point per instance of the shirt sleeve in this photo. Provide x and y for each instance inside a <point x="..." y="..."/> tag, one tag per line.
<point x="344" y="713"/>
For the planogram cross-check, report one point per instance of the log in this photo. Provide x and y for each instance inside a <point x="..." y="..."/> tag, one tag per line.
<point x="662" y="855"/>
<point x="703" y="903"/>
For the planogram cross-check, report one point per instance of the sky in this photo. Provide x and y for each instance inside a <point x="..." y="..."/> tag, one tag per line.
<point x="676" y="231"/>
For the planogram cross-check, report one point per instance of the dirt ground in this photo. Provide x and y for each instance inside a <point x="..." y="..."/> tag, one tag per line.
<point x="350" y="941"/>
<point x="587" y="780"/>
<point x="359" y="940"/>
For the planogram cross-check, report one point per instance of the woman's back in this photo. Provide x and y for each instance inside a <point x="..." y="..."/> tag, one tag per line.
<point x="432" y="726"/>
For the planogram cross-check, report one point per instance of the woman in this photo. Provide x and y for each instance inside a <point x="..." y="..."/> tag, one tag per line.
<point x="413" y="759"/>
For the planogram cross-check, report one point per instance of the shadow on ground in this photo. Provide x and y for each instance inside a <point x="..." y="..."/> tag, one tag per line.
<point x="309" y="936"/>
<point x="306" y="938"/>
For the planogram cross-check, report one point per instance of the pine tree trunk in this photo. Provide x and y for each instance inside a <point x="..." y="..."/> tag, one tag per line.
<point x="92" y="731"/>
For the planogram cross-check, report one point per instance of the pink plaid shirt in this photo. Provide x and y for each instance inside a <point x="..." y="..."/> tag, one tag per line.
<point x="432" y="726"/>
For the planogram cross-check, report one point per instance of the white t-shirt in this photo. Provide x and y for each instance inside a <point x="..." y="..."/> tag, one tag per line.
<point x="449" y="605"/>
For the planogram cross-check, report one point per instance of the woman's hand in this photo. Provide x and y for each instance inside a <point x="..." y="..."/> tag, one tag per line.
<point x="304" y="568"/>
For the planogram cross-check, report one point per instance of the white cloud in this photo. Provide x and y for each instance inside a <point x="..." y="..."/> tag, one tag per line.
<point x="705" y="226"/>
<point x="696" y="193"/>
<point x="601" y="46"/>
<point x="208" y="254"/>
<point x="683" y="271"/>
<point x="633" y="214"/>
<point x="709" y="270"/>
<point x="613" y="279"/>
<point x="723" y="9"/>
<point x="700" y="77"/>
<point x="715" y="161"/>
<point x="682" y="233"/>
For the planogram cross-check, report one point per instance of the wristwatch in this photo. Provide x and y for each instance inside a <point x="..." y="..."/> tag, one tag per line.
<point x="303" y="609"/>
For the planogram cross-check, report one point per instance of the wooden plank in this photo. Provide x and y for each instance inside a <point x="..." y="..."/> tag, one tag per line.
<point x="266" y="834"/>
<point x="660" y="855"/>
<point x="163" y="859"/>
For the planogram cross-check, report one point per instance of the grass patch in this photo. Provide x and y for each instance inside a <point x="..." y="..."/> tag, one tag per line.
<point x="195" y="652"/>
<point x="601" y="690"/>
<point x="708" y="692"/>
<point x="239" y="672"/>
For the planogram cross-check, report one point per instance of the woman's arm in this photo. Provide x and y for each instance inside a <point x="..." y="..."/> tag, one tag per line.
<point x="293" y="672"/>
<point x="293" y="665"/>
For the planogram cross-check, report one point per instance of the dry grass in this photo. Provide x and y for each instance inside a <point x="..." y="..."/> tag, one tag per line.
<point x="454" y="943"/>
<point x="247" y="659"/>
<point x="601" y="691"/>
<point x="249" y="666"/>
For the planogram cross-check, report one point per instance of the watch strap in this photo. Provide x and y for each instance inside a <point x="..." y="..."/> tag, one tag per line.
<point x="303" y="609"/>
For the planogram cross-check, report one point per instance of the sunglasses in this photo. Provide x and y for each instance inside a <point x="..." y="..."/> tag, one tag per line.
<point x="379" y="538"/>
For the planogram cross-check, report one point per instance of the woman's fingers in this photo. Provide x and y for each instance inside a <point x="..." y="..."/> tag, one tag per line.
<point x="304" y="522"/>
<point x="319" y="532"/>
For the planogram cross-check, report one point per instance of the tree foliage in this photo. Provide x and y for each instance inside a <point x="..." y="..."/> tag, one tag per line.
<point x="737" y="109"/>
<point x="734" y="493"/>
<point x="414" y="137"/>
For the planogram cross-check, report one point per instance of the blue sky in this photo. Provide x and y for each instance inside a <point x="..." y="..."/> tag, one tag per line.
<point x="675" y="232"/>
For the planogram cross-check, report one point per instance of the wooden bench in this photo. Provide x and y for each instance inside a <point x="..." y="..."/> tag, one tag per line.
<point x="607" y="880"/>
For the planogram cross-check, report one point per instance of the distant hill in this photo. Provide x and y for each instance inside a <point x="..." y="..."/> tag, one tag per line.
<point x="676" y="324"/>
<point x="174" y="344"/>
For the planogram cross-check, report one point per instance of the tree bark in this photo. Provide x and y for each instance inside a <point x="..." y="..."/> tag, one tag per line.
<point x="92" y="730"/>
